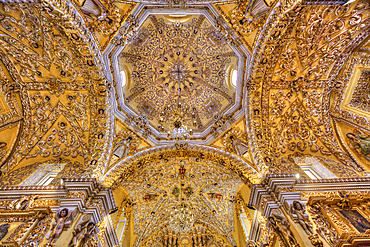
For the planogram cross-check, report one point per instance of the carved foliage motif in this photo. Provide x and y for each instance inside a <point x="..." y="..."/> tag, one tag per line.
<point x="180" y="62"/>
<point x="361" y="96"/>
<point x="290" y="76"/>
<point x="128" y="166"/>
<point x="54" y="60"/>
<point x="199" y="236"/>
<point x="161" y="178"/>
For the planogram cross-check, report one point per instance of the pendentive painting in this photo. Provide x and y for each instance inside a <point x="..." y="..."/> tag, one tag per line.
<point x="356" y="219"/>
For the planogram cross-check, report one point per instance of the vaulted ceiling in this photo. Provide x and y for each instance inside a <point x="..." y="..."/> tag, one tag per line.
<point x="301" y="93"/>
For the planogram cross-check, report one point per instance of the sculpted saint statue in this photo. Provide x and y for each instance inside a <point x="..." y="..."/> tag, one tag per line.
<point x="122" y="148"/>
<point x="239" y="146"/>
<point x="282" y="228"/>
<point x="83" y="235"/>
<point x="62" y="219"/>
<point x="297" y="210"/>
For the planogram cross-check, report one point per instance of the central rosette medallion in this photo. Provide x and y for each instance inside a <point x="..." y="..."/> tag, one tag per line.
<point x="179" y="71"/>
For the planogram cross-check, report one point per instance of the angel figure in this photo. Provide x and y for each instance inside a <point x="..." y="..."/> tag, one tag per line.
<point x="62" y="219"/>
<point x="297" y="210"/>
<point x="361" y="143"/>
<point x="83" y="235"/>
<point x="122" y="148"/>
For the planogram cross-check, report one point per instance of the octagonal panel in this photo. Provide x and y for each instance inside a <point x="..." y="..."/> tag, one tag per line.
<point x="357" y="96"/>
<point x="179" y="59"/>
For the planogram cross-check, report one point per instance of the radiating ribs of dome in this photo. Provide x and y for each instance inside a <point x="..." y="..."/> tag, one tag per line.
<point x="176" y="62"/>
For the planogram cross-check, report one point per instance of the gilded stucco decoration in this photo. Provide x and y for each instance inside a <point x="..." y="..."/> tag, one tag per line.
<point x="338" y="168"/>
<point x="32" y="174"/>
<point x="190" y="71"/>
<point x="340" y="217"/>
<point x="61" y="82"/>
<point x="16" y="176"/>
<point x="360" y="98"/>
<point x="248" y="17"/>
<point x="207" y="188"/>
<point x="85" y="87"/>
<point x="350" y="113"/>
<point x="296" y="60"/>
<point x="160" y="61"/>
<point x="200" y="236"/>
<point x="286" y="165"/>
<point x="126" y="167"/>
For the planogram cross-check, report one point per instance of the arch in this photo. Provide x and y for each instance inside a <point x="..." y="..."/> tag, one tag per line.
<point x="126" y="166"/>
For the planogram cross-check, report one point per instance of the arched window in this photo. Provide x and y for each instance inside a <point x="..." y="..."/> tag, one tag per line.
<point x="123" y="78"/>
<point x="234" y="77"/>
<point x="44" y="175"/>
<point x="121" y="226"/>
<point x="244" y="220"/>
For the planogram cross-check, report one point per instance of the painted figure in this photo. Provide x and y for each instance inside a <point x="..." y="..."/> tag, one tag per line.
<point x="122" y="148"/>
<point x="361" y="143"/>
<point x="357" y="220"/>
<point x="4" y="230"/>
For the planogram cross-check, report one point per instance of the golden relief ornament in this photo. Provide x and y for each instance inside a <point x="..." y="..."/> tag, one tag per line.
<point x="127" y="166"/>
<point x="349" y="118"/>
<point x="23" y="203"/>
<point x="201" y="235"/>
<point x="361" y="96"/>
<point x="38" y="51"/>
<point x="248" y="17"/>
<point x="295" y="119"/>
<point x="177" y="190"/>
<point x="189" y="73"/>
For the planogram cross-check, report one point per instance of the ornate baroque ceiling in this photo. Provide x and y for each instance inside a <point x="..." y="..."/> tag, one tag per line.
<point x="301" y="99"/>
<point x="176" y="59"/>
<point x="207" y="189"/>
